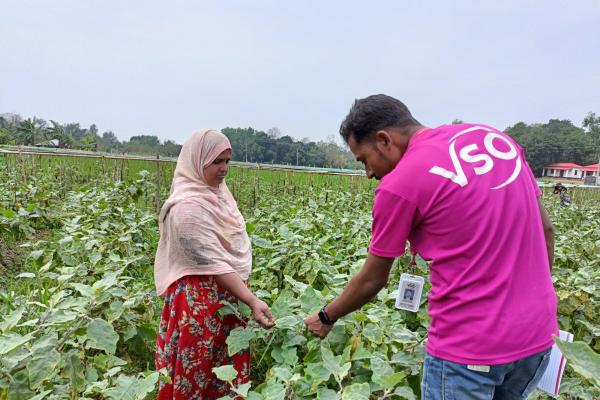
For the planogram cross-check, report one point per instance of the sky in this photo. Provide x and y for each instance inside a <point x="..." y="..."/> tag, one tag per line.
<point x="168" y="68"/>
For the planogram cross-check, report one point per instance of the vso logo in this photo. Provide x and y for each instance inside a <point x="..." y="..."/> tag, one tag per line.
<point x="472" y="154"/>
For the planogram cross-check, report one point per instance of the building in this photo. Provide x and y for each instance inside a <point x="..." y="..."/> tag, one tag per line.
<point x="563" y="170"/>
<point x="590" y="170"/>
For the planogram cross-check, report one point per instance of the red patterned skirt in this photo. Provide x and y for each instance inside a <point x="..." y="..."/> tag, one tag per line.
<point x="191" y="341"/>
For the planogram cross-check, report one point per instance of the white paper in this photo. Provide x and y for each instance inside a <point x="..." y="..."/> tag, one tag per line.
<point x="550" y="382"/>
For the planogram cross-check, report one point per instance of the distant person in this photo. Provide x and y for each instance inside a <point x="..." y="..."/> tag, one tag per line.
<point x="565" y="198"/>
<point x="204" y="257"/>
<point x="467" y="201"/>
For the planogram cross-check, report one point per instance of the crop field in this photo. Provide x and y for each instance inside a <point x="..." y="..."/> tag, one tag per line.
<point x="78" y="312"/>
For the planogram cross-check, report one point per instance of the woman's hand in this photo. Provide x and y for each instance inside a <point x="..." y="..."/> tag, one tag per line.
<point x="262" y="313"/>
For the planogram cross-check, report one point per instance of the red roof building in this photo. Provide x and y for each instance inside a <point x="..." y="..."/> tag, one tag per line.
<point x="563" y="170"/>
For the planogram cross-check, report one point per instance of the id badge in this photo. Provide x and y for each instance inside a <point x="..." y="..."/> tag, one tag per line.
<point x="410" y="290"/>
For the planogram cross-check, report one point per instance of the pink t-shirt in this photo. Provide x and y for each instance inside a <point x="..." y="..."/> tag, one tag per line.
<point x="465" y="198"/>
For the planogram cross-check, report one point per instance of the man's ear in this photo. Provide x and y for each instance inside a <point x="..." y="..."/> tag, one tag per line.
<point x="383" y="139"/>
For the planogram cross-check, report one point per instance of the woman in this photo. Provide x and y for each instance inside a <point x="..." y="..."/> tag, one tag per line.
<point x="203" y="257"/>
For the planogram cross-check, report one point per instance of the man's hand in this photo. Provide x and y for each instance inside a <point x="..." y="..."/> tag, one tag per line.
<point x="315" y="325"/>
<point x="262" y="313"/>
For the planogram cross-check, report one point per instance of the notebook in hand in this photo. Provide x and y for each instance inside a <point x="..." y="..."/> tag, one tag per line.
<point x="550" y="382"/>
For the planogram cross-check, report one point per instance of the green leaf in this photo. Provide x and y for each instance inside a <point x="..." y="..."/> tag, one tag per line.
<point x="318" y="372"/>
<point x="582" y="359"/>
<point x="36" y="254"/>
<point x="130" y="388"/>
<point x="41" y="395"/>
<point x="102" y="336"/>
<point x="12" y="319"/>
<point x="42" y="367"/>
<point x="239" y="339"/>
<point x="225" y="373"/>
<point x="242" y="389"/>
<point x="84" y="290"/>
<point x="11" y="341"/>
<point x="373" y="333"/>
<point x="283" y="373"/>
<point x="384" y="374"/>
<point x="405" y="392"/>
<point x="334" y="363"/>
<point x="310" y="300"/>
<point x="74" y="370"/>
<point x="288" y="322"/>
<point x="45" y="342"/>
<point x="18" y="389"/>
<point x="274" y="391"/>
<point x="357" y="391"/>
<point x="255" y="396"/>
<point x="261" y="242"/>
<point x="326" y="394"/>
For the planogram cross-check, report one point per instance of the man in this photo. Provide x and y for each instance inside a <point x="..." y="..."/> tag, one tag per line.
<point x="465" y="198"/>
<point x="562" y="191"/>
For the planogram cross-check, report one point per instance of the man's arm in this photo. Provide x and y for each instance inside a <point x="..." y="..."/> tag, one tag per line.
<point x="548" y="233"/>
<point x="371" y="278"/>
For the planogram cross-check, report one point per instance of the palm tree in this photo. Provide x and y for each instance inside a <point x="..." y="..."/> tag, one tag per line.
<point x="58" y="132"/>
<point x="31" y="131"/>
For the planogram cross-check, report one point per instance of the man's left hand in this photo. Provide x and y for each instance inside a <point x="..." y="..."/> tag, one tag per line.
<point x="315" y="325"/>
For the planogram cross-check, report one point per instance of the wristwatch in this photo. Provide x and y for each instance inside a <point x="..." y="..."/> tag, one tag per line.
<point x="325" y="318"/>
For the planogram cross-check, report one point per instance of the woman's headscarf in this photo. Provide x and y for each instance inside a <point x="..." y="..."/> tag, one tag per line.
<point x="202" y="232"/>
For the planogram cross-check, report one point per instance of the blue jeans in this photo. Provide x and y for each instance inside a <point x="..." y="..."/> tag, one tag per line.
<point x="446" y="380"/>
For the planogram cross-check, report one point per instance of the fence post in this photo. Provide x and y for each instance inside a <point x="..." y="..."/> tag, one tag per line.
<point x="157" y="200"/>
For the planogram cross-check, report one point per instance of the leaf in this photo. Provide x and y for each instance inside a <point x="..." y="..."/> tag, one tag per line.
<point x="405" y="392"/>
<point x="283" y="373"/>
<point x="84" y="290"/>
<point x="130" y="388"/>
<point x="261" y="242"/>
<point x="12" y="340"/>
<point x="45" y="342"/>
<point x="225" y="373"/>
<point x="18" y="389"/>
<point x="289" y="322"/>
<point x="242" y="389"/>
<point x="373" y="333"/>
<point x="26" y="275"/>
<point x="582" y="359"/>
<point x="41" y="395"/>
<point x="318" y="372"/>
<point x="239" y="339"/>
<point x="310" y="300"/>
<point x="357" y="391"/>
<point x="73" y="370"/>
<point x="274" y="391"/>
<point x="326" y="394"/>
<point x="384" y="374"/>
<point x="334" y="363"/>
<point x="12" y="319"/>
<point x="102" y="336"/>
<point x="42" y="367"/>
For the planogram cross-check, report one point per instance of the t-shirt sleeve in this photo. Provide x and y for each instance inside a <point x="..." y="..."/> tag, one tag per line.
<point x="393" y="219"/>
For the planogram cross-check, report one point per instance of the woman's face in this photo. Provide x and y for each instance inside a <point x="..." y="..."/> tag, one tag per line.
<point x="215" y="173"/>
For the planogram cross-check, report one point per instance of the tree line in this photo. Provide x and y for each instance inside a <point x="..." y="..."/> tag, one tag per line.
<point x="249" y="144"/>
<point x="544" y="143"/>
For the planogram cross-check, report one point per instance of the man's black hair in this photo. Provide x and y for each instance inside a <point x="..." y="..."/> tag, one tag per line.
<point x="373" y="113"/>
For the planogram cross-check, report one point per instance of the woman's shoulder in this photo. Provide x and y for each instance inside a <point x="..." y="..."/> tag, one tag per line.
<point x="187" y="210"/>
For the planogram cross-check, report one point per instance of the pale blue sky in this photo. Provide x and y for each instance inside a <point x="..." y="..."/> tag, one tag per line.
<point x="169" y="67"/>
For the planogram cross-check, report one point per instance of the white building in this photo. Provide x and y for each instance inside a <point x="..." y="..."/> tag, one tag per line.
<point x="563" y="170"/>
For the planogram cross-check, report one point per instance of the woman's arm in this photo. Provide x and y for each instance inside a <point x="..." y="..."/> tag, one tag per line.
<point x="234" y="284"/>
